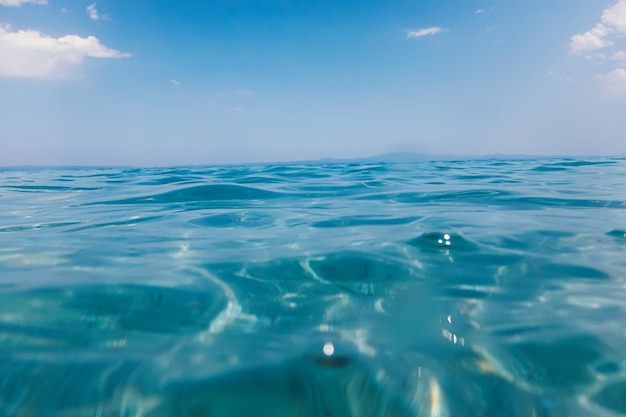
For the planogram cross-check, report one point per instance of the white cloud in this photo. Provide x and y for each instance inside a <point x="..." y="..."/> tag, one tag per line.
<point x="31" y="54"/>
<point x="608" y="32"/>
<point x="618" y="56"/>
<point x="613" y="21"/>
<point x="614" y="82"/>
<point x="591" y="40"/>
<point x="483" y="11"/>
<point x="175" y="82"/>
<point x="424" y="32"/>
<point x="92" y="11"/>
<point x="615" y="16"/>
<point x="18" y="3"/>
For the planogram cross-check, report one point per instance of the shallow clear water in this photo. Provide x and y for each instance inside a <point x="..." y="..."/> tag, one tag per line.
<point x="472" y="288"/>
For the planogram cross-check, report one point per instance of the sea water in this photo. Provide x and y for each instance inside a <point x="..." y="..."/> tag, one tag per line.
<point x="450" y="288"/>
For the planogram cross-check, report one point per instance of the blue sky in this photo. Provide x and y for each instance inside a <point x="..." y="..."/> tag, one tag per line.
<point x="200" y="82"/>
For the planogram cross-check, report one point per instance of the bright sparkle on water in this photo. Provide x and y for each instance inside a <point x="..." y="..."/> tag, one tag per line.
<point x="482" y="288"/>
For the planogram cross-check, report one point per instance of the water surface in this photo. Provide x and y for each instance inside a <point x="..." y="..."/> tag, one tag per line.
<point x="482" y="288"/>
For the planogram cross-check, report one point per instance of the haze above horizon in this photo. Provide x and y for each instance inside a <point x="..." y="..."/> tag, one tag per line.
<point x="154" y="83"/>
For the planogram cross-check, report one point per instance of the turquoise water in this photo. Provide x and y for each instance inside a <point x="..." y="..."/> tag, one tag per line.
<point x="471" y="288"/>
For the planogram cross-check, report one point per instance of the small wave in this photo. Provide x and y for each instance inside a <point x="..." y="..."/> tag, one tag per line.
<point x="352" y="221"/>
<point x="522" y="203"/>
<point x="49" y="188"/>
<point x="94" y="317"/>
<point x="479" y="196"/>
<point x="202" y="193"/>
<point x="234" y="219"/>
<point x="617" y="234"/>
<point x="174" y="179"/>
<point x="611" y="396"/>
<point x="130" y="222"/>
<point x="553" y="270"/>
<point x="20" y="228"/>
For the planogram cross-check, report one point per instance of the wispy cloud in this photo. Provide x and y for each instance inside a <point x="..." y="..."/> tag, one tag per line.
<point x="92" y="11"/>
<point x="559" y="77"/>
<point x="243" y="92"/>
<point x="31" y="54"/>
<point x="240" y="110"/>
<point x="614" y="82"/>
<point x="418" y="33"/>
<point x="618" y="56"/>
<point x="483" y="11"/>
<point x="18" y="3"/>
<point x="175" y="82"/>
<point x="612" y="23"/>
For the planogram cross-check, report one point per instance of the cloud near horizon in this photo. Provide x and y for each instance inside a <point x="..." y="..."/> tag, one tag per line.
<point x="31" y="54"/>
<point x="411" y="34"/>
<point x="18" y="3"/>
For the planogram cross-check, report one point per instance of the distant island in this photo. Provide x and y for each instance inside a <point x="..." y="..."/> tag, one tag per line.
<point x="411" y="157"/>
<point x="407" y="157"/>
<point x="391" y="157"/>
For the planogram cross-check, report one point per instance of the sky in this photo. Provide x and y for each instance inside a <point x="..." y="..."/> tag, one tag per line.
<point x="154" y="83"/>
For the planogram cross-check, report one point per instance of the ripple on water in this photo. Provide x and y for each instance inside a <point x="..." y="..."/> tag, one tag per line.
<point x="564" y="364"/>
<point x="102" y="316"/>
<point x="612" y="396"/>
<point x="356" y="272"/>
<point x="353" y="221"/>
<point x="458" y="288"/>
<point x="362" y="273"/>
<point x="234" y="219"/>
<point x="552" y="270"/>
<point x="315" y="384"/>
<point x="20" y="228"/>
